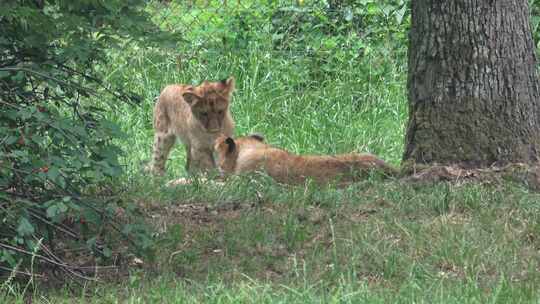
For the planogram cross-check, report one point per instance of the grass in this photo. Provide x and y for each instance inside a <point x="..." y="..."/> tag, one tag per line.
<point x="375" y="242"/>
<point x="255" y="241"/>
<point x="368" y="117"/>
<point x="358" y="103"/>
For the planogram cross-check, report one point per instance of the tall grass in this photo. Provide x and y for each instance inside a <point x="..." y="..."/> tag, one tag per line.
<point x="357" y="104"/>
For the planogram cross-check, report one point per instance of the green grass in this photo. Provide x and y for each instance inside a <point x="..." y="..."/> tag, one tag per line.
<point x="357" y="103"/>
<point x="252" y="240"/>
<point x="255" y="241"/>
<point x="334" y="116"/>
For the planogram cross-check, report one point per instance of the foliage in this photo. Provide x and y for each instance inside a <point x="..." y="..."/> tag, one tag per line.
<point x="56" y="155"/>
<point x="321" y="36"/>
<point x="534" y="6"/>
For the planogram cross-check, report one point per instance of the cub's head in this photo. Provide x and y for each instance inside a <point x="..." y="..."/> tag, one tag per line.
<point x="209" y="102"/>
<point x="227" y="149"/>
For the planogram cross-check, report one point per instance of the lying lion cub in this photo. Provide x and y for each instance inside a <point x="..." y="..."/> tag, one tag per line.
<point x="251" y="153"/>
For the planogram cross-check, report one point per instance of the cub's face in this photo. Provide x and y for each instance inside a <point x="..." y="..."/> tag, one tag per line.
<point x="225" y="154"/>
<point x="210" y="103"/>
<point x="226" y="150"/>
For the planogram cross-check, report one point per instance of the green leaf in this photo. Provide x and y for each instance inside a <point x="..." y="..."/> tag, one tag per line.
<point x="348" y="14"/>
<point x="8" y="257"/>
<point x="10" y="140"/>
<point x="19" y="76"/>
<point x="400" y="14"/>
<point x="107" y="252"/>
<point x="25" y="227"/>
<point x="91" y="242"/>
<point x="55" y="210"/>
<point x="53" y="173"/>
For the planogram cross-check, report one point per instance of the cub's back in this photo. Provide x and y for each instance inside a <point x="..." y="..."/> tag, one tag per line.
<point x="252" y="151"/>
<point x="170" y="107"/>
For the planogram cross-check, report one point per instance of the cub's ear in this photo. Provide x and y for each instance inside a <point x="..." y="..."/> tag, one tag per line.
<point x="191" y="98"/>
<point x="231" y="145"/>
<point x="228" y="85"/>
<point x="257" y="136"/>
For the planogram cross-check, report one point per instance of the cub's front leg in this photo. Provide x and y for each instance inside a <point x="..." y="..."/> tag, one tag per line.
<point x="200" y="159"/>
<point x="163" y="143"/>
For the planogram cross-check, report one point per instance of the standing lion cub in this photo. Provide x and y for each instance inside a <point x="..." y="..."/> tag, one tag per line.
<point x="197" y="115"/>
<point x="250" y="153"/>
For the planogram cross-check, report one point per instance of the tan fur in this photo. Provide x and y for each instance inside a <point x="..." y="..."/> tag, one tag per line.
<point x="195" y="115"/>
<point x="248" y="154"/>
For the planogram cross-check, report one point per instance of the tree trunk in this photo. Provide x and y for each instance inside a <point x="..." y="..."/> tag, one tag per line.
<point x="473" y="88"/>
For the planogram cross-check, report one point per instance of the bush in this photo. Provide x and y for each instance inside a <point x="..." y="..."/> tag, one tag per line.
<point x="57" y="160"/>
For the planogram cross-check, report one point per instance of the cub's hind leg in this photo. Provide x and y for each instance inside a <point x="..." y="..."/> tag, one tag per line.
<point x="163" y="143"/>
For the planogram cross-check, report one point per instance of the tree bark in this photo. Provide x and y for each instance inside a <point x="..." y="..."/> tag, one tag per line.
<point x="473" y="86"/>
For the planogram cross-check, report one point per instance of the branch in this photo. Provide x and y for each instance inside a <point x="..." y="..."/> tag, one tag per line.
<point x="68" y="268"/>
<point x="122" y="96"/>
<point x="21" y="272"/>
<point x="70" y="84"/>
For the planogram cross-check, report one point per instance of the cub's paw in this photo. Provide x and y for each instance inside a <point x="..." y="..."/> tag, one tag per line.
<point x="188" y="181"/>
<point x="147" y="168"/>
<point x="179" y="182"/>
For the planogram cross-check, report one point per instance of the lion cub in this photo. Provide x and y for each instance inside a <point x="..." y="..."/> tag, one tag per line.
<point x="250" y="153"/>
<point x="197" y="115"/>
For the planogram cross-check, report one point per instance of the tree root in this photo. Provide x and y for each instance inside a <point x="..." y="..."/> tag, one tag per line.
<point x="526" y="174"/>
